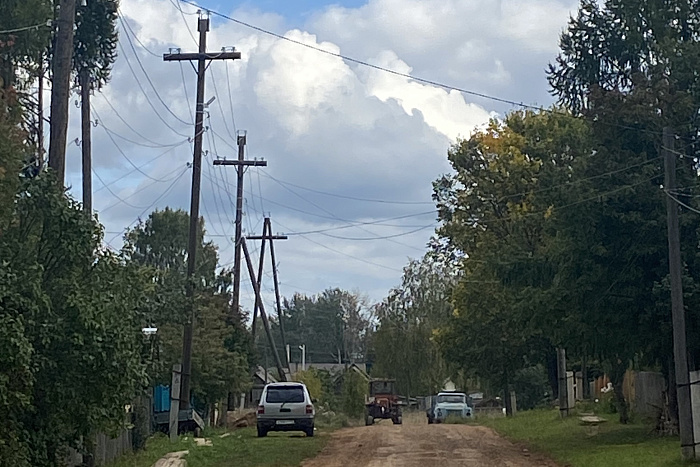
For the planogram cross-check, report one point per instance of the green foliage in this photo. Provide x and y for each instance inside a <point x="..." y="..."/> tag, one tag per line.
<point x="312" y="381"/>
<point x="500" y="211"/>
<point x="403" y="343"/>
<point x="23" y="47"/>
<point x="531" y="387"/>
<point x="221" y="347"/>
<point x="71" y="331"/>
<point x="95" y="39"/>
<point x="354" y="390"/>
<point x="333" y="325"/>
<point x="630" y="69"/>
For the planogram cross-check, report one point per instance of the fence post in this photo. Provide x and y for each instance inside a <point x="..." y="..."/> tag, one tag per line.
<point x="175" y="402"/>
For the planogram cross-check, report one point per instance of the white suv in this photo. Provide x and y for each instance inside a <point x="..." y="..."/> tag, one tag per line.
<point x="285" y="407"/>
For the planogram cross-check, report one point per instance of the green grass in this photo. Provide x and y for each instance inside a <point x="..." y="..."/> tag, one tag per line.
<point x="240" y="449"/>
<point x="571" y="444"/>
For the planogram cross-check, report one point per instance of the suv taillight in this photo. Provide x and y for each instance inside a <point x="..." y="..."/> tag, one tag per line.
<point x="261" y="409"/>
<point x="309" y="409"/>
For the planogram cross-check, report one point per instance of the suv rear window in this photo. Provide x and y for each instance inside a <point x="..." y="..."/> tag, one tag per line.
<point x="285" y="394"/>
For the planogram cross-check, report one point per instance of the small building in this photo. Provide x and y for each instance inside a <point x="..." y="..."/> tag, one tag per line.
<point x="261" y="377"/>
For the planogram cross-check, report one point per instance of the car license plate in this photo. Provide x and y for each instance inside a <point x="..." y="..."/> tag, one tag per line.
<point x="285" y="422"/>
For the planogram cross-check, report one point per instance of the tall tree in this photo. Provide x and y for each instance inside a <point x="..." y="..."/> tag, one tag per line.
<point x="221" y="346"/>
<point x="403" y="343"/>
<point x="333" y="325"/>
<point x="71" y="315"/>
<point x="630" y="68"/>
<point x="500" y="210"/>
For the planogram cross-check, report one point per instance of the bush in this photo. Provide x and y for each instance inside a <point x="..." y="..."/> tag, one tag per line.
<point x="531" y="387"/>
<point x="312" y="382"/>
<point x="353" y="394"/>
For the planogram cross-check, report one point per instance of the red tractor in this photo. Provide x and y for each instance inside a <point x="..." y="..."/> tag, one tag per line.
<point x="383" y="403"/>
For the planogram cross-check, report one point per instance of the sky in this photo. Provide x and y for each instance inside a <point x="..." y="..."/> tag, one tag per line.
<point x="351" y="150"/>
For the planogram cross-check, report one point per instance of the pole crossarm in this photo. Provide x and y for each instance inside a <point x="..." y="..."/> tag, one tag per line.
<point x="190" y="56"/>
<point x="238" y="163"/>
<point x="266" y="237"/>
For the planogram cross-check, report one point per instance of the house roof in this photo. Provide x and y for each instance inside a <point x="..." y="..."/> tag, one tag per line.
<point x="260" y="373"/>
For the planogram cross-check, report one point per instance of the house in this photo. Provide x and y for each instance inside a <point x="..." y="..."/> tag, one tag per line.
<point x="330" y="367"/>
<point x="261" y="377"/>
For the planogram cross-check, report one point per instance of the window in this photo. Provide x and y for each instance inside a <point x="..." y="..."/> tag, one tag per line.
<point x="381" y="387"/>
<point x="451" y="398"/>
<point x="281" y="394"/>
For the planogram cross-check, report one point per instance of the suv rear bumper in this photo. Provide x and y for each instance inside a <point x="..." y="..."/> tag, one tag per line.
<point x="298" y="424"/>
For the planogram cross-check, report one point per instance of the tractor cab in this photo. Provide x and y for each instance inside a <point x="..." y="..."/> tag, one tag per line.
<point x="382" y="402"/>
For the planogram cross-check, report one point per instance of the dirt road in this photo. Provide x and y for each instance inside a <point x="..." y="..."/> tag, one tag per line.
<point x="417" y="444"/>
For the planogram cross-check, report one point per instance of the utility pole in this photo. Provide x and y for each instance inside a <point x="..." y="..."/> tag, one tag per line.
<point x="86" y="144"/>
<point x="261" y="306"/>
<point x="268" y="236"/>
<point x="60" y="90"/>
<point x="202" y="57"/>
<point x="685" y="417"/>
<point x="563" y="387"/>
<point x="240" y="165"/>
<point x="40" y="113"/>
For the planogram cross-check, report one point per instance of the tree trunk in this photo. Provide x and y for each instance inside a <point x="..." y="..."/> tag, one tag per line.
<point x="617" y="377"/>
<point x="60" y="90"/>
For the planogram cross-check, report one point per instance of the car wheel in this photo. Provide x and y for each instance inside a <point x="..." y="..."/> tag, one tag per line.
<point x="397" y="421"/>
<point x="262" y="432"/>
<point x="309" y="432"/>
<point x="430" y="421"/>
<point x="369" y="420"/>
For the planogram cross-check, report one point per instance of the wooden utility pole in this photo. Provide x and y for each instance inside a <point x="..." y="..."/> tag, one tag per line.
<point x="202" y="58"/>
<point x="40" y="113"/>
<point x="86" y="144"/>
<point x="259" y="304"/>
<point x="261" y="264"/>
<point x="563" y="387"/>
<point x="685" y="417"/>
<point x="60" y="90"/>
<point x="240" y="165"/>
<point x="267" y="236"/>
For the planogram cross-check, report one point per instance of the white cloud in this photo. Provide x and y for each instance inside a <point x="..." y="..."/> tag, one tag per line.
<point x="343" y="131"/>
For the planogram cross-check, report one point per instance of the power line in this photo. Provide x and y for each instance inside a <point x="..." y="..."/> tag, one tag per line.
<point x="367" y="64"/>
<point x="350" y="223"/>
<point x="121" y="200"/>
<point x="27" y="28"/>
<point x="162" y="195"/>
<point x="148" y="78"/>
<point x="385" y="237"/>
<point x="221" y="109"/>
<point x="404" y="75"/>
<point x="574" y="182"/>
<point x="354" y="198"/>
<point x="143" y="91"/>
<point x="690" y="208"/>
<point x="338" y="218"/>
<point x="140" y="167"/>
<point x="154" y="144"/>
<point x="125" y="156"/>
<point x="126" y="23"/>
<point x="230" y="99"/>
